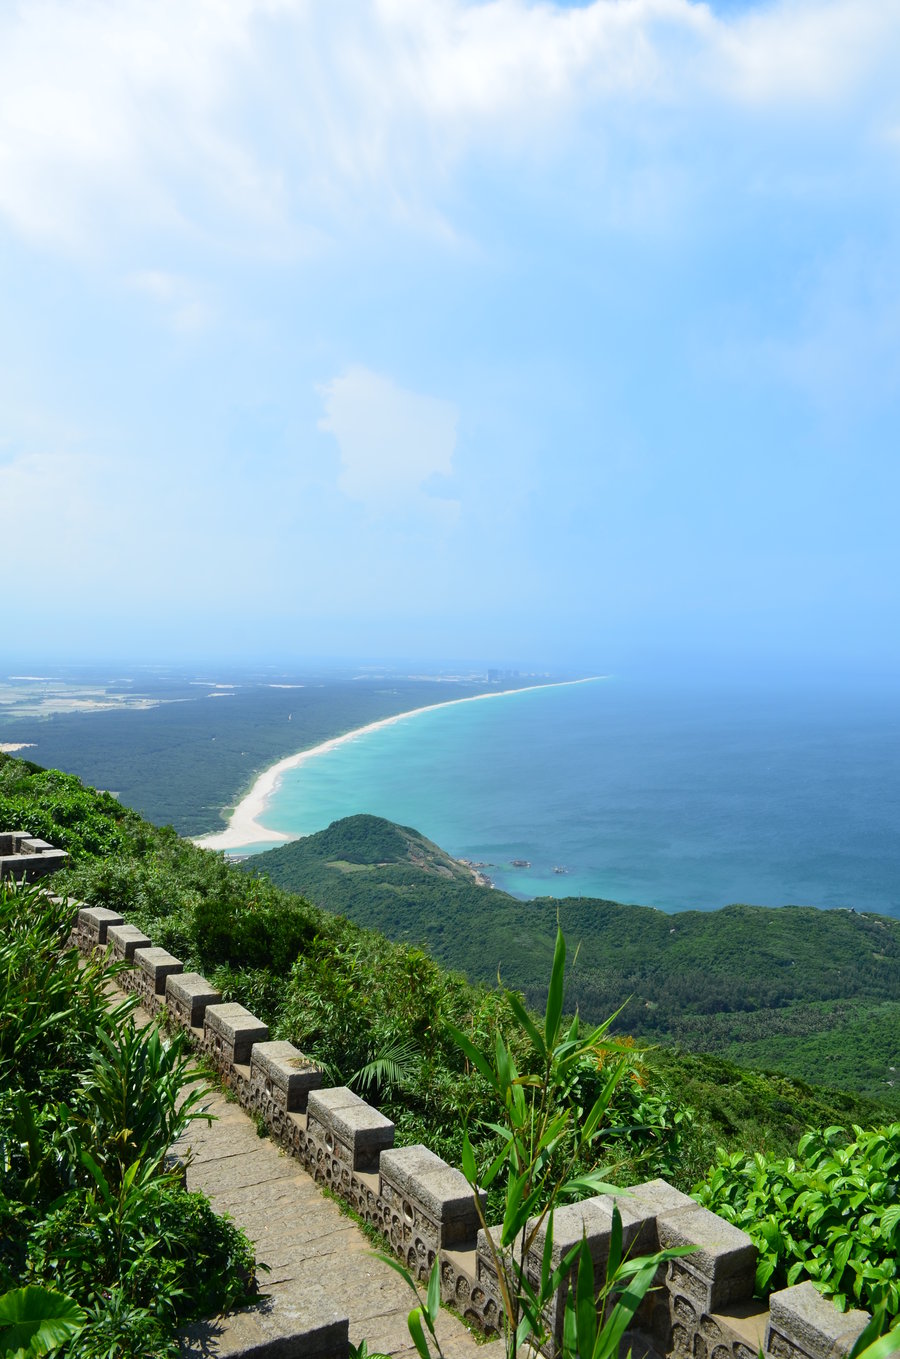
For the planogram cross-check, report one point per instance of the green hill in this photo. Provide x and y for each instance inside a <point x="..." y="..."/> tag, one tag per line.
<point x="377" y="1014"/>
<point x="815" y="994"/>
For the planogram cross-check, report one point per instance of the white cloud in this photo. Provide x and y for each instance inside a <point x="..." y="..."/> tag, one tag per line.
<point x="805" y="53"/>
<point x="392" y="443"/>
<point x="260" y="123"/>
<point x="179" y="298"/>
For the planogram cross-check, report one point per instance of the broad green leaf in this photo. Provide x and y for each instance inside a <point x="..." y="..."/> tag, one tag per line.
<point x="37" y="1320"/>
<point x="889" y="1219"/>
<point x="841" y="1256"/>
<point x="765" y="1268"/>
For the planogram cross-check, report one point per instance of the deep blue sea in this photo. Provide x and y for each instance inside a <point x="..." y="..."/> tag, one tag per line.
<point x="675" y="797"/>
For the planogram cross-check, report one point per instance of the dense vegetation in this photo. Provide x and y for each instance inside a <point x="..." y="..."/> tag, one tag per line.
<point x="90" y="1208"/>
<point x="373" y="1012"/>
<point x="815" y="994"/>
<point x="831" y="1214"/>
<point x="384" y="1016"/>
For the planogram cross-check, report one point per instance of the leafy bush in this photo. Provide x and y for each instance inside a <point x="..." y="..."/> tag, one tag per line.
<point x="89" y="1107"/>
<point x="831" y="1214"/>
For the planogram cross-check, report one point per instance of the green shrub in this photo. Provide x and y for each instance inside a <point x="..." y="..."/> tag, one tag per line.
<point x="831" y="1214"/>
<point x="89" y="1107"/>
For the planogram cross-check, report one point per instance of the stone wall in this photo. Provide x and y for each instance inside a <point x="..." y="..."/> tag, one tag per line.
<point x="25" y="858"/>
<point x="703" y="1305"/>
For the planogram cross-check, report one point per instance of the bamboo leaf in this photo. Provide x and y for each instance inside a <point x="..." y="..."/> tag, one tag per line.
<point x="512" y="1220"/>
<point x="501" y="1056"/>
<point x="602" y="1102"/>
<point x="528" y="1024"/>
<point x="494" y="1168"/>
<point x="433" y="1300"/>
<point x="397" y="1267"/>
<point x="607" y="1343"/>
<point x="555" y="993"/>
<point x="887" y="1347"/>
<point x="547" y="1258"/>
<point x="585" y="1186"/>
<point x="615" y="1244"/>
<point x="477" y="1058"/>
<point x="469" y="1168"/>
<point x="97" y="1175"/>
<point x="585" y="1305"/>
<point x="414" y="1322"/>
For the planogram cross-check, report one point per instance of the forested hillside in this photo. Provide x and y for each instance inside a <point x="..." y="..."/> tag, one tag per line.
<point x="376" y="1013"/>
<point x="815" y="994"/>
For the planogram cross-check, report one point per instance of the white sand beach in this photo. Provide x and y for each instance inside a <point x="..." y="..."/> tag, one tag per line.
<point x="244" y="824"/>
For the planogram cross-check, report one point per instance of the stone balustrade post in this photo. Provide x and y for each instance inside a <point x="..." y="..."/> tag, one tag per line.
<point x="347" y="1134"/>
<point x="281" y="1079"/>
<point x="188" y="995"/>
<point x="93" y="923"/>
<point x="154" y="967"/>
<point x="229" y="1032"/>
<point x="804" y="1325"/>
<point x="432" y="1206"/>
<point x="123" y="941"/>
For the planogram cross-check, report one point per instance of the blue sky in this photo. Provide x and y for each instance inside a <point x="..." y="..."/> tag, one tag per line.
<point x="525" y="333"/>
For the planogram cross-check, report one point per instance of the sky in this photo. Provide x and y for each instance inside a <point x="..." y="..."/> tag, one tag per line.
<point x="529" y="333"/>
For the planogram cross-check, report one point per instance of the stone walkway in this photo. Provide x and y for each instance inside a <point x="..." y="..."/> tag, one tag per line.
<point x="317" y="1256"/>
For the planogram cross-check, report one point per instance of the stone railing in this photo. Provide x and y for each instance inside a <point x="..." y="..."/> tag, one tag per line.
<point x="703" y="1305"/>
<point x="25" y="858"/>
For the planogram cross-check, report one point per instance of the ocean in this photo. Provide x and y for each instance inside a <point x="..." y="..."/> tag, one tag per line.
<point x="671" y="796"/>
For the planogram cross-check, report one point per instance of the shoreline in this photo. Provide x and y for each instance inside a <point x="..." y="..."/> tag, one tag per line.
<point x="244" y="824"/>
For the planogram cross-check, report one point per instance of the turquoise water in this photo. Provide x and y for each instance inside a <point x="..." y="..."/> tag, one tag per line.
<point x="643" y="793"/>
